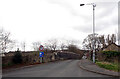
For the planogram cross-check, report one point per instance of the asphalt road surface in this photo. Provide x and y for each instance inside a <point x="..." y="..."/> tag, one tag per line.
<point x="67" y="68"/>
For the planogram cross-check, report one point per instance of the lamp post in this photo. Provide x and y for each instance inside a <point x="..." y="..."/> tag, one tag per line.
<point x="94" y="5"/>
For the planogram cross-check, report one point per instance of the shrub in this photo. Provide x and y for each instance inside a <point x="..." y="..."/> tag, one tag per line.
<point x="109" y="54"/>
<point x="10" y="64"/>
<point x="17" y="58"/>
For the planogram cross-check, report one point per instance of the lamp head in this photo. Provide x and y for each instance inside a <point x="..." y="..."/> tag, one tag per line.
<point x="82" y="4"/>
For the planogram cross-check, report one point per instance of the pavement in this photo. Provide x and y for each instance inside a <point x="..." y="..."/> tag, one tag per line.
<point x="67" y="68"/>
<point x="92" y="67"/>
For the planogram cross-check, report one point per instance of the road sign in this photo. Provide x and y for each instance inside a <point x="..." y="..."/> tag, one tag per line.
<point x="41" y="48"/>
<point x="41" y="54"/>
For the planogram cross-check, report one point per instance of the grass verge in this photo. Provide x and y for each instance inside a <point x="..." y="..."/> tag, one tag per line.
<point x="109" y="66"/>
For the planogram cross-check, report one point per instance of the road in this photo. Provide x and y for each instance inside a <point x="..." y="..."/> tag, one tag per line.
<point x="67" y="68"/>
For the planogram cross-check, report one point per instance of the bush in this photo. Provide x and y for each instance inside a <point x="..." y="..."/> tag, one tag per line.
<point x="7" y="65"/>
<point x="17" y="58"/>
<point x="109" y="54"/>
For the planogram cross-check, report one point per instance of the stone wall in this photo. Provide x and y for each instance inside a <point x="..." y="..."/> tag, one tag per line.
<point x="28" y="58"/>
<point x="68" y="55"/>
<point x="6" y="60"/>
<point x="33" y="57"/>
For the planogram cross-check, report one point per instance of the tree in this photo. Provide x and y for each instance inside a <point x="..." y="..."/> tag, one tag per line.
<point x="62" y="46"/>
<point x="118" y="37"/>
<point x="23" y="45"/>
<point x="110" y="39"/>
<point x="17" y="58"/>
<point x="36" y="45"/>
<point x="75" y="49"/>
<point x="52" y="45"/>
<point x="100" y="41"/>
<point x="113" y="38"/>
<point x="88" y="41"/>
<point x="5" y="41"/>
<point x="72" y="48"/>
<point x="72" y="42"/>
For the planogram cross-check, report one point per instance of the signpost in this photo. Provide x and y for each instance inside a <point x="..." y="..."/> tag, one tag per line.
<point x="41" y="54"/>
<point x="41" y="48"/>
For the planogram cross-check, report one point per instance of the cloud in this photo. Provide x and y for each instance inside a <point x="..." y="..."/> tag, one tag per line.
<point x="83" y="28"/>
<point x="43" y="19"/>
<point x="105" y="17"/>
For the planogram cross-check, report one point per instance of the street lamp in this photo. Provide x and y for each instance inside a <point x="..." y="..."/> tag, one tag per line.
<point x="94" y="5"/>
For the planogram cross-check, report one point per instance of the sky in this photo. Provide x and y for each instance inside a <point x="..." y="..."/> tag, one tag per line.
<point x="41" y="20"/>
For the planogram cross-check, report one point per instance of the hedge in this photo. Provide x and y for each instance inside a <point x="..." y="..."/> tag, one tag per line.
<point x="111" y="53"/>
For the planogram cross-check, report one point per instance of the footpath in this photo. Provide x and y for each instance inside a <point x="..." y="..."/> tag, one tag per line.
<point x="92" y="67"/>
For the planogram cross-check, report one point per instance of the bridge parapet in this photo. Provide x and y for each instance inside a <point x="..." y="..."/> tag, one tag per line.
<point x="66" y="55"/>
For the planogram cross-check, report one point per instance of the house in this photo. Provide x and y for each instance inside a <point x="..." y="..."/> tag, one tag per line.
<point x="112" y="47"/>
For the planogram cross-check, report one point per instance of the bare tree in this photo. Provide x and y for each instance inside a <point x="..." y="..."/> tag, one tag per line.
<point x="113" y="38"/>
<point x="110" y="39"/>
<point x="62" y="46"/>
<point x="46" y="46"/>
<point x="71" y="42"/>
<point x="118" y="36"/>
<point x="36" y="45"/>
<point x="52" y="44"/>
<point x="88" y="41"/>
<point x="5" y="41"/>
<point x="23" y="45"/>
<point x="100" y="41"/>
<point x="72" y="48"/>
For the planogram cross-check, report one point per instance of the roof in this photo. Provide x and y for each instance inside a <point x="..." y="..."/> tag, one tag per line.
<point x="111" y="44"/>
<point x="115" y="45"/>
<point x="118" y="45"/>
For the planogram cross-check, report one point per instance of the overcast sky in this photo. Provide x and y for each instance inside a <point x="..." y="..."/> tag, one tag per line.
<point x="40" y="20"/>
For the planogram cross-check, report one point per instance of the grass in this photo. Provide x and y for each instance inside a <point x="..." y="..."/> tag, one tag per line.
<point x="109" y="66"/>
